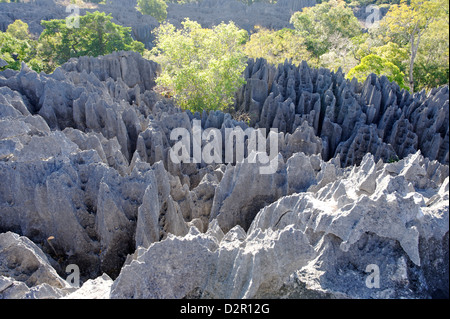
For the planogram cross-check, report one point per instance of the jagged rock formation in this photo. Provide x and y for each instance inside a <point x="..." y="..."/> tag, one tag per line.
<point x="3" y="63"/>
<point x="326" y="237"/>
<point x="351" y="119"/>
<point x="212" y="12"/>
<point x="84" y="159"/>
<point x="98" y="288"/>
<point x="26" y="272"/>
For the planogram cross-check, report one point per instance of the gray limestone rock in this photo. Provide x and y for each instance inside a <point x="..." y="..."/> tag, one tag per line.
<point x="396" y="214"/>
<point x="164" y="269"/>
<point x="317" y="244"/>
<point x="362" y="179"/>
<point x="217" y="269"/>
<point x="364" y="140"/>
<point x="3" y="63"/>
<point x="335" y="108"/>
<point x="127" y="66"/>
<point x="300" y="173"/>
<point x="159" y="215"/>
<point x="302" y="140"/>
<point x="12" y="289"/>
<point x="43" y="197"/>
<point x="243" y="191"/>
<point x="98" y="288"/>
<point x="23" y="261"/>
<point x="255" y="265"/>
<point x="203" y="199"/>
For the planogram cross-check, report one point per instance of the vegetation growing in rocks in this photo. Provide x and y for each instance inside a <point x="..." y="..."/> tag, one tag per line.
<point x="410" y="45"/>
<point x="96" y="35"/>
<point x="357" y="176"/>
<point x="201" y="67"/>
<point x="155" y="8"/>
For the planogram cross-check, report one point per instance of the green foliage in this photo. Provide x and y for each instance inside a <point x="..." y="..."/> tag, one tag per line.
<point x="430" y="75"/>
<point x="277" y="46"/>
<point x="17" y="46"/>
<point x="182" y="1"/>
<point x="393" y="53"/>
<point x="19" y="30"/>
<point x="201" y="68"/>
<point x="318" y="24"/>
<point x="97" y="35"/>
<point x="154" y="8"/>
<point x="432" y="63"/>
<point x="394" y="159"/>
<point x="59" y="42"/>
<point x="379" y="66"/>
<point x="365" y="2"/>
<point x="407" y="23"/>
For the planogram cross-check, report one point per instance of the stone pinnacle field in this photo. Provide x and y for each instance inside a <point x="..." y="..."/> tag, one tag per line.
<point x="86" y="179"/>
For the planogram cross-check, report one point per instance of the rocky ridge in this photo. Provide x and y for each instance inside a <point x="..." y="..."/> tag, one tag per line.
<point x="206" y="12"/>
<point x="86" y="179"/>
<point x="351" y="119"/>
<point x="212" y="12"/>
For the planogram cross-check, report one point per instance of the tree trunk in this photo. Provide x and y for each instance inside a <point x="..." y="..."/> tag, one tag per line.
<point x="414" y="49"/>
<point x="411" y="70"/>
<point x="100" y="41"/>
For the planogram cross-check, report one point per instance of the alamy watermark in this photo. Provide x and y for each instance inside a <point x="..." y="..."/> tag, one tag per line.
<point x="73" y="20"/>
<point x="206" y="146"/>
<point x="73" y="278"/>
<point x="374" y="17"/>
<point x="373" y="279"/>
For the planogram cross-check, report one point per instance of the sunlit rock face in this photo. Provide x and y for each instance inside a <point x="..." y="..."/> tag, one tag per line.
<point x="357" y="206"/>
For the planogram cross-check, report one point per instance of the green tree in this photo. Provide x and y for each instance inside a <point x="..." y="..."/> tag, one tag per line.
<point x="341" y="54"/>
<point x="390" y="51"/>
<point x="406" y="24"/>
<point x="432" y="64"/>
<point x="155" y="8"/>
<point x="318" y="24"/>
<point x="277" y="46"/>
<point x="202" y="68"/>
<point x="393" y="53"/>
<point x="95" y="36"/>
<point x="19" y="30"/>
<point x="379" y="66"/>
<point x="17" y="46"/>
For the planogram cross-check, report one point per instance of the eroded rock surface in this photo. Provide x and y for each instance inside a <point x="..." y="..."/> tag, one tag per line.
<point x="87" y="179"/>
<point x="350" y="119"/>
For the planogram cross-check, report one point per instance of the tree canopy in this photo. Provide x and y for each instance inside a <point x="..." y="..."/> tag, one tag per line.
<point x="154" y="8"/>
<point x="407" y="23"/>
<point x="277" y="46"/>
<point x="202" y="68"/>
<point x="96" y="35"/>
<point x="379" y="66"/>
<point x="319" y="24"/>
<point x="17" y="46"/>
